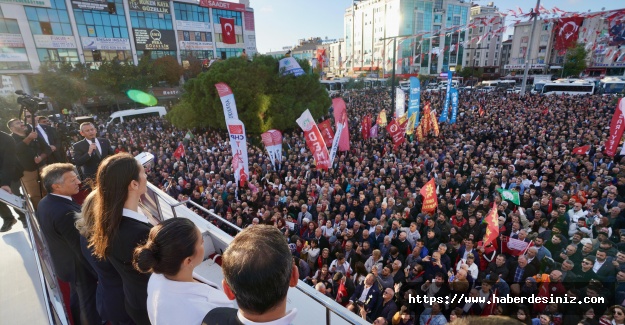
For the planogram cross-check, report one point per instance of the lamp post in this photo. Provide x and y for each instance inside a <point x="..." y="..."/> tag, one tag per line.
<point x="394" y="38"/>
<point x="529" y="47"/>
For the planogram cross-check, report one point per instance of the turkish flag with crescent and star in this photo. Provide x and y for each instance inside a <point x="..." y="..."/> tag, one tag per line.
<point x="228" y="35"/>
<point x="567" y="32"/>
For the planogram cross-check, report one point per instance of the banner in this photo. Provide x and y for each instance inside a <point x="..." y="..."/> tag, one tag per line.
<point x="435" y="129"/>
<point x="617" y="126"/>
<point x="567" y="33"/>
<point x="616" y="30"/>
<point x="325" y="128"/>
<point x="340" y="116"/>
<point x="290" y="66"/>
<point x="454" y="105"/>
<point x="430" y="201"/>
<point x="154" y="39"/>
<point x="514" y="247"/>
<point x="228" y="35"/>
<point x="510" y="195"/>
<point x="447" y="97"/>
<point x="273" y="142"/>
<point x="227" y="100"/>
<point x="179" y="153"/>
<point x="314" y="140"/>
<point x="381" y="120"/>
<point x="400" y="103"/>
<point x="492" y="226"/>
<point x="374" y="132"/>
<point x="414" y="101"/>
<point x="396" y="131"/>
<point x="365" y="127"/>
<point x="583" y="150"/>
<point x="412" y="121"/>
<point x="238" y="144"/>
<point x="155" y="6"/>
<point x="335" y="143"/>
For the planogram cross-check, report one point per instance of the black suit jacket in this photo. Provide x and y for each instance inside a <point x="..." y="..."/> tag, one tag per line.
<point x="56" y="217"/>
<point x="53" y="140"/>
<point x="530" y="271"/>
<point x="130" y="234"/>
<point x="88" y="164"/>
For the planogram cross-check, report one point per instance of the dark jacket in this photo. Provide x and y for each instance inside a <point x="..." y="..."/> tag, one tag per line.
<point x="26" y="153"/>
<point x="9" y="170"/>
<point x="88" y="164"/>
<point x="371" y="301"/>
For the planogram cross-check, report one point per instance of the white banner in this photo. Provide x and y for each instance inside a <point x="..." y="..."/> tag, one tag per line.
<point x="196" y="26"/>
<point x="105" y="43"/>
<point x="11" y="40"/>
<point x="13" y="57"/>
<point x="196" y="45"/>
<point x="227" y="100"/>
<point x="517" y="244"/>
<point x="273" y="142"/>
<point x="238" y="143"/>
<point x="55" y="42"/>
<point x="400" y="103"/>
<point x="290" y="66"/>
<point x="38" y="3"/>
<point x="335" y="142"/>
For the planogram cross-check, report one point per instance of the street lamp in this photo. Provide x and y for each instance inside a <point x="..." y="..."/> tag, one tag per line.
<point x="394" y="38"/>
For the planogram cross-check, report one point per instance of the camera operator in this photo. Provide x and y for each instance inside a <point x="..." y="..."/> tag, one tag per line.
<point x="48" y="133"/>
<point x="31" y="154"/>
<point x="89" y="152"/>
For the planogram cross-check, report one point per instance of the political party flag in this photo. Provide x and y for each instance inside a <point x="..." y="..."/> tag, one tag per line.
<point x="340" y="117"/>
<point x="492" y="228"/>
<point x="273" y="142"/>
<point x="513" y="246"/>
<point x="583" y="150"/>
<point x="335" y="143"/>
<point x="396" y="131"/>
<point x="617" y="126"/>
<point x="481" y="111"/>
<point x="430" y="201"/>
<point x="188" y="136"/>
<point x="414" y="102"/>
<point x="238" y="144"/>
<point x="288" y="66"/>
<point x="365" y="127"/>
<point x="228" y="35"/>
<point x="454" y="105"/>
<point x="381" y="120"/>
<point x="179" y="153"/>
<point x="420" y="132"/>
<point x="434" y="122"/>
<point x="510" y="195"/>
<point x="444" y="113"/>
<point x="411" y="123"/>
<point x="314" y="140"/>
<point x="325" y="128"/>
<point x="374" y="131"/>
<point x="227" y="100"/>
<point x="400" y="103"/>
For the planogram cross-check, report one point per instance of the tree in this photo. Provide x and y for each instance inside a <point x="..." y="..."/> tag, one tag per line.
<point x="10" y="110"/>
<point x="264" y="99"/>
<point x="64" y="83"/>
<point x="575" y="60"/>
<point x="168" y="70"/>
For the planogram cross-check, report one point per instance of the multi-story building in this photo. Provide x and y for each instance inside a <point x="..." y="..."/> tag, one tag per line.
<point x="429" y="30"/>
<point x="91" y="31"/>
<point x="335" y="53"/>
<point x="506" y="47"/>
<point x="604" y="42"/>
<point x="486" y="30"/>
<point x="542" y="46"/>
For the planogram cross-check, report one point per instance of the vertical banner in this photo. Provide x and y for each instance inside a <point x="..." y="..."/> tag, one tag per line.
<point x="326" y="132"/>
<point x="238" y="143"/>
<point x="381" y="120"/>
<point x="617" y="126"/>
<point x="335" y="143"/>
<point x="340" y="117"/>
<point x="447" y="97"/>
<point x="430" y="202"/>
<point x="400" y="103"/>
<point x="396" y="131"/>
<point x="273" y="142"/>
<point x="366" y="127"/>
<point x="435" y="129"/>
<point x="227" y="100"/>
<point x="314" y="140"/>
<point x="414" y="101"/>
<point x="454" y="105"/>
<point x="374" y="132"/>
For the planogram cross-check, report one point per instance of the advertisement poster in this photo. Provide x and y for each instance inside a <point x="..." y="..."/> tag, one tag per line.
<point x="155" y="39"/>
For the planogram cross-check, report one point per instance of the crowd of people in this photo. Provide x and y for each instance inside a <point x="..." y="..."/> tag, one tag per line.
<point x="357" y="232"/>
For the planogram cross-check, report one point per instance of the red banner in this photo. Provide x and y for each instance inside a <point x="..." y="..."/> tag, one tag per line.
<point x="430" y="202"/>
<point x="314" y="140"/>
<point x="179" y="153"/>
<point x="366" y="127"/>
<point x="617" y="126"/>
<point x="513" y="246"/>
<point x="228" y="36"/>
<point x="492" y="226"/>
<point x="340" y="115"/>
<point x="326" y="132"/>
<point x="567" y="32"/>
<point x="583" y="150"/>
<point x="397" y="132"/>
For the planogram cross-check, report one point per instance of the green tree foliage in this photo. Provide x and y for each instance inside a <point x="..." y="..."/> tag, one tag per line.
<point x="168" y="70"/>
<point x="265" y="100"/>
<point x="64" y="83"/>
<point x="575" y="60"/>
<point x="10" y="109"/>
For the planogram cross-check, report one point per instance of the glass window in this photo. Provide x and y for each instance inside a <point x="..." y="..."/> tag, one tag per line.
<point x="198" y="36"/>
<point x="185" y="36"/>
<point x="31" y="13"/>
<point x="42" y="14"/>
<point x="53" y="15"/>
<point x="63" y="17"/>
<point x="217" y="13"/>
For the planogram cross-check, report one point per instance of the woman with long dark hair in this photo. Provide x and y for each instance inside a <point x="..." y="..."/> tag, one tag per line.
<point x="120" y="227"/>
<point x="177" y="295"/>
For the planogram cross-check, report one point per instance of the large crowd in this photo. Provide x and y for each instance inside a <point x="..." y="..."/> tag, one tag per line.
<point x="357" y="232"/>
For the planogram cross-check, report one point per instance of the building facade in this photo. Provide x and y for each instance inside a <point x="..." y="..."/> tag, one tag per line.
<point x="91" y="31"/>
<point x="428" y="35"/>
<point x="506" y="47"/>
<point x="542" y="47"/>
<point x="487" y="26"/>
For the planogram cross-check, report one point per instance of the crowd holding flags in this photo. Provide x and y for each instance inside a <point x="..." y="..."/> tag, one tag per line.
<point x="314" y="140"/>
<point x="273" y="142"/>
<point x="236" y="133"/>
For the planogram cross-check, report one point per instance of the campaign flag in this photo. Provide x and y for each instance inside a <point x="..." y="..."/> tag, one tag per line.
<point x="567" y="32"/>
<point x="447" y="97"/>
<point x="425" y="121"/>
<point x="411" y="123"/>
<point x="381" y="120"/>
<point x="335" y="143"/>
<point x="510" y="195"/>
<point x="325" y="128"/>
<point x="273" y="142"/>
<point x="188" y="136"/>
<point x="583" y="150"/>
<point x="492" y="228"/>
<point x="617" y="126"/>
<point x="481" y="111"/>
<point x="400" y="103"/>
<point x="238" y="144"/>
<point x="434" y="122"/>
<point x="340" y="117"/>
<point x="288" y="66"/>
<point x="374" y="132"/>
<point x="227" y="100"/>
<point x="419" y="132"/>
<point x="365" y="127"/>
<point x="454" y="105"/>
<point x="414" y="101"/>
<point x="396" y="132"/>
<point x="314" y="140"/>
<point x="179" y="153"/>
<point x="430" y="201"/>
<point x="513" y="246"/>
<point x="228" y="35"/>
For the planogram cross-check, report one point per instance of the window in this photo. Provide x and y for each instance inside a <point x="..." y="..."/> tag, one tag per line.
<point x="142" y="19"/>
<point x="191" y="12"/>
<point x="481" y="30"/>
<point x="496" y="54"/>
<point x="217" y="13"/>
<point x="228" y="53"/>
<point x="9" y="26"/>
<point x="185" y="36"/>
<point x="58" y="55"/>
<point x="94" y="23"/>
<point x="198" y="36"/>
<point x="17" y="65"/>
<point x="544" y="38"/>
<point x="218" y="38"/>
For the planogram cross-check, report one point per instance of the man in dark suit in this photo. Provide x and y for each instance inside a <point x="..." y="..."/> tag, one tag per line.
<point x="89" y="152"/>
<point x="519" y="271"/>
<point x="51" y="137"/>
<point x="9" y="180"/>
<point x="366" y="295"/>
<point x="603" y="267"/>
<point x="56" y="217"/>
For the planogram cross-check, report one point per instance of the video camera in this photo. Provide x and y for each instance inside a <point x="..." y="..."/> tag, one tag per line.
<point x="32" y="104"/>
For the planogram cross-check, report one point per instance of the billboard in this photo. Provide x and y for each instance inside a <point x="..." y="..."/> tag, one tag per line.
<point x="55" y="42"/>
<point x="101" y="5"/>
<point x="156" y="6"/>
<point x="155" y="39"/>
<point x="105" y="43"/>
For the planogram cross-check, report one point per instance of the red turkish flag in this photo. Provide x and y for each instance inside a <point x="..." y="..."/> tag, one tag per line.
<point x="228" y="35"/>
<point x="583" y="150"/>
<point x="567" y="32"/>
<point x="179" y="151"/>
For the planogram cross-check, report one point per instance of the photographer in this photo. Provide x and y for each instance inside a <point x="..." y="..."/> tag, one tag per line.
<point x="31" y="154"/>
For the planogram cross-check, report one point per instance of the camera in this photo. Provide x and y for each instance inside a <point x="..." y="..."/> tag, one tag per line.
<point x="32" y="104"/>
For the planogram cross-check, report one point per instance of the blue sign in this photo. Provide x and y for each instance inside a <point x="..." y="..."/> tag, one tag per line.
<point x="454" y="105"/>
<point x="415" y="98"/>
<point x="444" y="113"/>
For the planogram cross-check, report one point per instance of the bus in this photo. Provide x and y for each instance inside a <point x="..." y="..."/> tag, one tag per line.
<point x="569" y="87"/>
<point x="122" y="116"/>
<point x="333" y="86"/>
<point x="612" y="85"/>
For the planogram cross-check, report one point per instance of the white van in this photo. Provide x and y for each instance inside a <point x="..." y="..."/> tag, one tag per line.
<point x="122" y="116"/>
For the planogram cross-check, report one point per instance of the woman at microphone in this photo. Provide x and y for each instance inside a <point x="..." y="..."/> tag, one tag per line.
<point x="120" y="227"/>
<point x="177" y="295"/>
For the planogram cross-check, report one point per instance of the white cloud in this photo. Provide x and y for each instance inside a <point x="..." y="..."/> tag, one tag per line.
<point x="266" y="9"/>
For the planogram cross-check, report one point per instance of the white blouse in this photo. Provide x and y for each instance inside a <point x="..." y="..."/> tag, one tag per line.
<point x="175" y="302"/>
